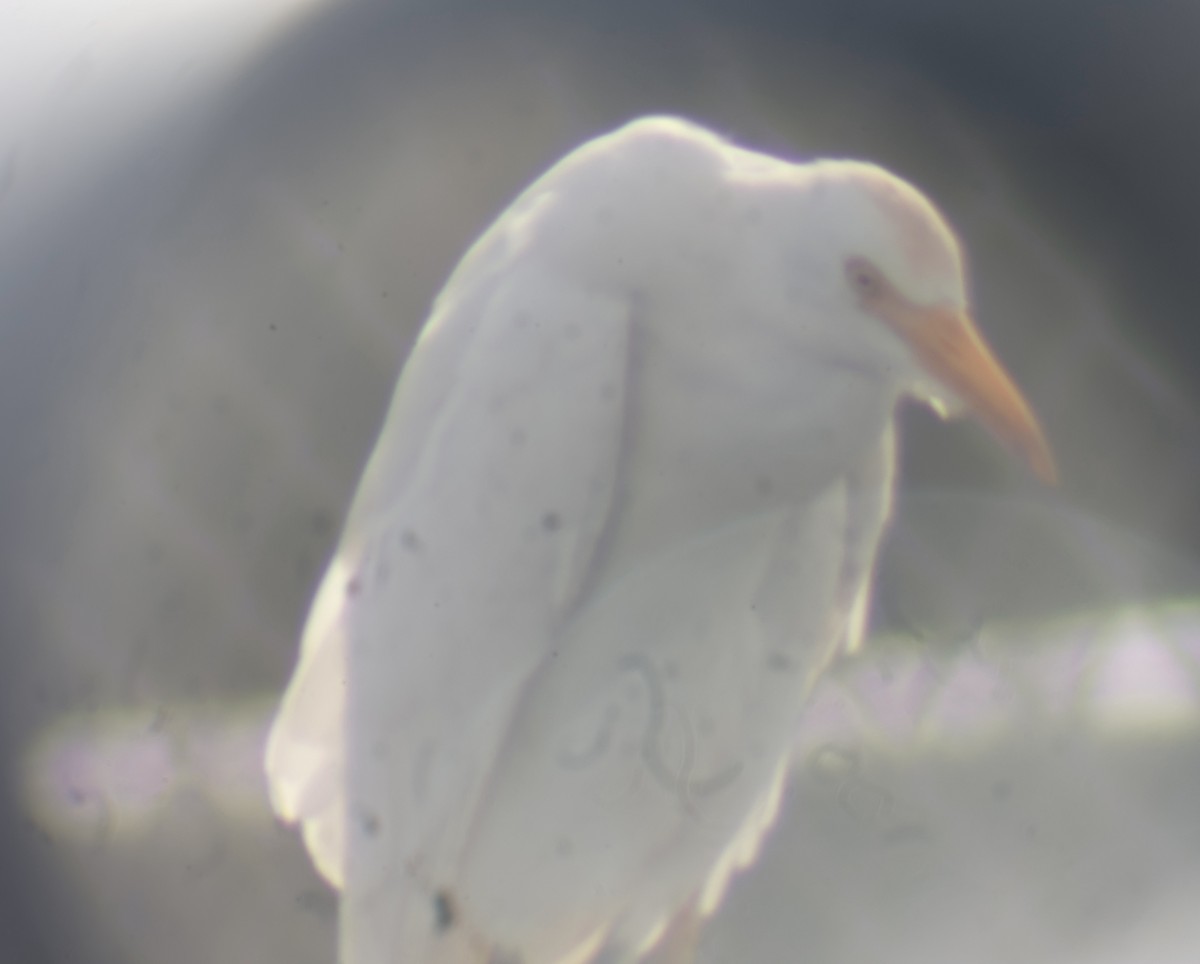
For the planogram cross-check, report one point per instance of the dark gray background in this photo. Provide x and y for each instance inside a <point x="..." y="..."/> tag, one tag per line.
<point x="215" y="246"/>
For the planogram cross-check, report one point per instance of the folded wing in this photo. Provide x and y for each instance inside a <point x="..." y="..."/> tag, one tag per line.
<point x="474" y="526"/>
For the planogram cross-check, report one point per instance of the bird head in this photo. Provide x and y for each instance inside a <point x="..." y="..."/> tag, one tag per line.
<point x="895" y="283"/>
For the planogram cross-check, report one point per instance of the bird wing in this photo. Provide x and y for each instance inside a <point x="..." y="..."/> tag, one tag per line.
<point x="645" y="765"/>
<point x="479" y="513"/>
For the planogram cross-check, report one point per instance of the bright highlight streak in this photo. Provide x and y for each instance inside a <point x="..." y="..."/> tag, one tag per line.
<point x="105" y="777"/>
<point x="1131" y="674"/>
<point x="1143" y="685"/>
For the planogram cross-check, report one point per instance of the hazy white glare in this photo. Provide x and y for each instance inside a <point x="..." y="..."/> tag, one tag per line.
<point x="81" y="80"/>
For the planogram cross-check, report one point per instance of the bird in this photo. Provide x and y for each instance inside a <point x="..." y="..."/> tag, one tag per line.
<point x="622" y="514"/>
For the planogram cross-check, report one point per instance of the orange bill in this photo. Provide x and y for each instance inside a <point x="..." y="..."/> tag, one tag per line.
<point x="950" y="347"/>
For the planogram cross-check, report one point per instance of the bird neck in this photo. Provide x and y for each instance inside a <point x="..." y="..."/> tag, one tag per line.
<point x="713" y="445"/>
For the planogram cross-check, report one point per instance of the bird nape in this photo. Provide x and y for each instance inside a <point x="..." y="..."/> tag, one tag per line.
<point x="623" y="510"/>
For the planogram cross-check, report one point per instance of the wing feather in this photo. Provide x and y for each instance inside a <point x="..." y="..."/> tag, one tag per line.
<point x="478" y="514"/>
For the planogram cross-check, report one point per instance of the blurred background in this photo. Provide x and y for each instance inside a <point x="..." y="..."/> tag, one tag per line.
<point x="221" y="224"/>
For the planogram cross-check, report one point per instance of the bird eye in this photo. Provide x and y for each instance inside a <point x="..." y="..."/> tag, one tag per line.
<point x="864" y="278"/>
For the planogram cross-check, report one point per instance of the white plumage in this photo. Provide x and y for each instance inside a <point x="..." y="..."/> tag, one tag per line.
<point x="624" y="508"/>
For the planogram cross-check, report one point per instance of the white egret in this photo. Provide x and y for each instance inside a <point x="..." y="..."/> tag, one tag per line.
<point x="624" y="508"/>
